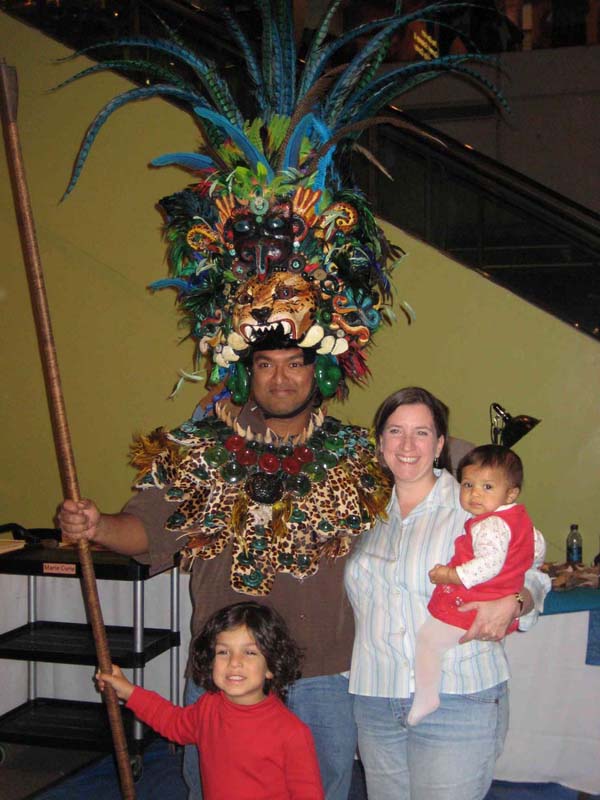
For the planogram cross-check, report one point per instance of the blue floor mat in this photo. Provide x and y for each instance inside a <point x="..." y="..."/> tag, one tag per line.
<point x="161" y="777"/>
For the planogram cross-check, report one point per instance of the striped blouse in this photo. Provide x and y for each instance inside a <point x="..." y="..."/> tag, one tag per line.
<point x="387" y="582"/>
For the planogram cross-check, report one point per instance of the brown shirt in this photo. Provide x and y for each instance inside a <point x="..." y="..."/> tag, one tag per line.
<point x="316" y="609"/>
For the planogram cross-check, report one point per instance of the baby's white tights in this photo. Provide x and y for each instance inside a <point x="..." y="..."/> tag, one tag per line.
<point x="433" y="640"/>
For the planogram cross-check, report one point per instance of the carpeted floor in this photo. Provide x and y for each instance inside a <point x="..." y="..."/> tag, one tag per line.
<point x="161" y="778"/>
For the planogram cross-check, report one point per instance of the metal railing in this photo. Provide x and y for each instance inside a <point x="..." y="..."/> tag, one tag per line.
<point x="511" y="229"/>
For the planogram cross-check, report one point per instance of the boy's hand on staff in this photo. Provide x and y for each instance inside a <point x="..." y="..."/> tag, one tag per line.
<point x="123" y="687"/>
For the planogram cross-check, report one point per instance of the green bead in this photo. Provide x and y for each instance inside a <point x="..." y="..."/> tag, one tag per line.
<point x="303" y="561"/>
<point x="239" y="383"/>
<point x="326" y="458"/>
<point x="233" y="472"/>
<point x="334" y="444"/>
<point x="353" y="521"/>
<point x="176" y="520"/>
<point x="245" y="559"/>
<point x="202" y="429"/>
<point x="325" y="526"/>
<point x="298" y="484"/>
<point x="327" y="375"/>
<point x="297" y="515"/>
<point x="174" y="493"/>
<point x="315" y="472"/>
<point x="286" y="559"/>
<point x="216" y="456"/>
<point x="201" y="473"/>
<point x="367" y="480"/>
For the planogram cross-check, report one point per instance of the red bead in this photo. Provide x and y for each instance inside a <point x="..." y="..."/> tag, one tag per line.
<point x="291" y="465"/>
<point x="304" y="454"/>
<point x="269" y="463"/>
<point x="246" y="457"/>
<point x="234" y="443"/>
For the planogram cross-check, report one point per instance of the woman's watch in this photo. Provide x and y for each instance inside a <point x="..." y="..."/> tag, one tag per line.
<point x="520" y="598"/>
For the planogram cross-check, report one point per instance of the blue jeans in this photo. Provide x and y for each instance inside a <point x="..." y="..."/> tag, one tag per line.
<point x="450" y="755"/>
<point x="325" y="705"/>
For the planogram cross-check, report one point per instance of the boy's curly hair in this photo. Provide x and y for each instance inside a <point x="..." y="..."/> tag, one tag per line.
<point x="282" y="654"/>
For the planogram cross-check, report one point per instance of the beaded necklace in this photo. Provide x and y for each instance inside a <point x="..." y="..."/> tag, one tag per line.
<point x="269" y="470"/>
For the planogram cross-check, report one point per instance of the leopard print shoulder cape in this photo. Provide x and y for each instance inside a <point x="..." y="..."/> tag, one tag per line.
<point x="283" y="508"/>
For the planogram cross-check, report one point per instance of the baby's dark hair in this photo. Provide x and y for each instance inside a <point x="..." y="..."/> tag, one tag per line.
<point x="282" y="654"/>
<point x="496" y="456"/>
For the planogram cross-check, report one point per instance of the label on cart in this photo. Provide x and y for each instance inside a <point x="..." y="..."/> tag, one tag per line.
<point x="50" y="568"/>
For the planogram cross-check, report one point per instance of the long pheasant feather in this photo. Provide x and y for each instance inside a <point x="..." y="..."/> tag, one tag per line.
<point x="312" y="56"/>
<point x="115" y="104"/>
<point x="285" y="24"/>
<point x="205" y="69"/>
<point x="250" y="59"/>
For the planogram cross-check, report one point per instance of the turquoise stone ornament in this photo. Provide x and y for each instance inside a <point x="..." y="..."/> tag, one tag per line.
<point x="253" y="580"/>
<point x="259" y="543"/>
<point x="161" y="473"/>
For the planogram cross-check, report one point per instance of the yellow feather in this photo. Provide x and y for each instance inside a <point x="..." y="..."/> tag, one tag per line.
<point x="282" y="511"/>
<point x="145" y="449"/>
<point x="239" y="518"/>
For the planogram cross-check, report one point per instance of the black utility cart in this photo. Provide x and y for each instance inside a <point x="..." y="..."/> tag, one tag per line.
<point x="71" y="724"/>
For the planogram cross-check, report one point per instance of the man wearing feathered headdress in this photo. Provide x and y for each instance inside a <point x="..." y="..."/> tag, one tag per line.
<point x="283" y="275"/>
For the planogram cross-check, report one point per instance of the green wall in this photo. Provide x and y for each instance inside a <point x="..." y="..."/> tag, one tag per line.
<point x="119" y="346"/>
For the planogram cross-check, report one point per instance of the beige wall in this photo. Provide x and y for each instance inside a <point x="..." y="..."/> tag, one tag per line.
<point x="472" y="342"/>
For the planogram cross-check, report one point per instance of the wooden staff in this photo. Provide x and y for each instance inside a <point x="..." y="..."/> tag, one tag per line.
<point x="62" y="439"/>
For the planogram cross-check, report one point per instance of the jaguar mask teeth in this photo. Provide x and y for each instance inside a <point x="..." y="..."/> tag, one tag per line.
<point x="282" y="328"/>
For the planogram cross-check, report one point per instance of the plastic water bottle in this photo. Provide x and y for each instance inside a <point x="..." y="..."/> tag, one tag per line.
<point x="574" y="546"/>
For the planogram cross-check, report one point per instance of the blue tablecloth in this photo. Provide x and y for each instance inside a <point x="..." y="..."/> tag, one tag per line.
<point x="580" y="600"/>
<point x="574" y="600"/>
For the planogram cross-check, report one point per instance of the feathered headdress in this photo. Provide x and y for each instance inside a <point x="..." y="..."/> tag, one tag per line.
<point x="268" y="240"/>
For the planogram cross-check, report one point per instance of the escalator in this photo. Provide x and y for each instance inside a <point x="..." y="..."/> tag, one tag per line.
<point x="529" y="239"/>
